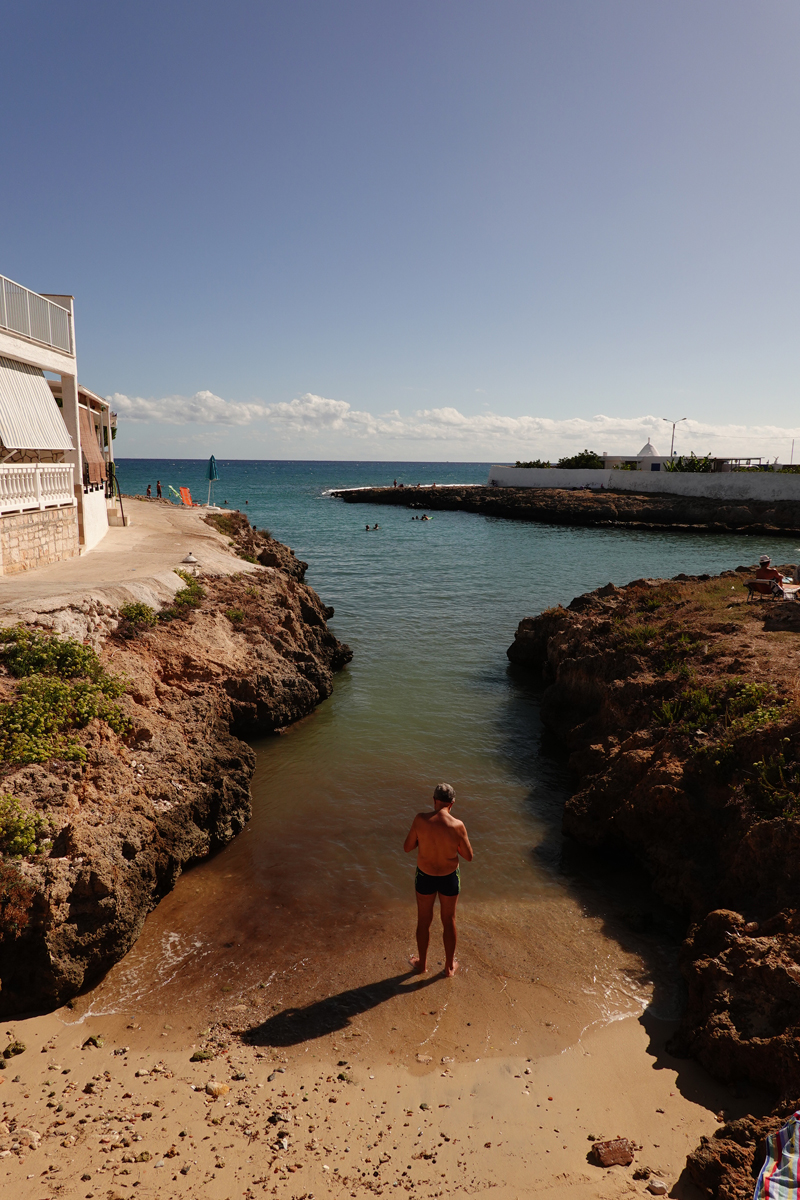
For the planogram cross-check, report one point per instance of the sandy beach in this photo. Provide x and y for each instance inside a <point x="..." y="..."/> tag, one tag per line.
<point x="437" y="1087"/>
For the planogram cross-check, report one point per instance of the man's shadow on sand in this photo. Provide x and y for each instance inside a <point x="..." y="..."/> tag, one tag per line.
<point x="295" y="1025"/>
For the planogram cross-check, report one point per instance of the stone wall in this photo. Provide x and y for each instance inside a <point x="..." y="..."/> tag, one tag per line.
<point x="722" y="485"/>
<point x="35" y="539"/>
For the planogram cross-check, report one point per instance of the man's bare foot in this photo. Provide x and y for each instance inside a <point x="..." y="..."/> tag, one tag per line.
<point x="417" y="967"/>
<point x="449" y="972"/>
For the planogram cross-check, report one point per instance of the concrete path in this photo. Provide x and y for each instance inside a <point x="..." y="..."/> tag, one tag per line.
<point x="134" y="563"/>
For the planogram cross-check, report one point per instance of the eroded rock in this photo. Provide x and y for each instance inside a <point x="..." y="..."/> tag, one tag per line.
<point x="249" y="660"/>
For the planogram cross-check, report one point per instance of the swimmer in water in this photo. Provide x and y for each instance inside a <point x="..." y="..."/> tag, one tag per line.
<point x="438" y="838"/>
<point x="375" y="526"/>
<point x="366" y="527"/>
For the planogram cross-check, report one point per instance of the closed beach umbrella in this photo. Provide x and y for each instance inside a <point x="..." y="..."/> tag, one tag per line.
<point x="212" y="476"/>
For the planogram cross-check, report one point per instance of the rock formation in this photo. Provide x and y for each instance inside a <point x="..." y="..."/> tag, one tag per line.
<point x="678" y="703"/>
<point x="603" y="509"/>
<point x="251" y="657"/>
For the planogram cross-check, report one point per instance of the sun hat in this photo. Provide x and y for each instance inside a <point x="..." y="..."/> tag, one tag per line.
<point x="764" y="559"/>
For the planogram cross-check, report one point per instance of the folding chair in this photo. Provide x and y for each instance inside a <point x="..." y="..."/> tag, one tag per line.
<point x="760" y="589"/>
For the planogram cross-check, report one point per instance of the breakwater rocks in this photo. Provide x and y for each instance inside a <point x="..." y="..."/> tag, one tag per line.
<point x="557" y="506"/>
<point x="158" y="779"/>
<point x="678" y="702"/>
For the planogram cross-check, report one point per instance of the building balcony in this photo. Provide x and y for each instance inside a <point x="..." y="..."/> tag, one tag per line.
<point x="35" y="317"/>
<point x="33" y="487"/>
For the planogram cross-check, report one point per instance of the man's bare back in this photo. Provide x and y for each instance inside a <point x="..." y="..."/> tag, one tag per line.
<point x="438" y="838"/>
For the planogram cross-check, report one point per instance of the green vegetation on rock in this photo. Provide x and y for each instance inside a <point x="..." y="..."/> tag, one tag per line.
<point x="742" y="707"/>
<point x="534" y="462"/>
<point x="21" y="831"/>
<point x="138" y="616"/>
<point x="188" y="598"/>
<point x="63" y="686"/>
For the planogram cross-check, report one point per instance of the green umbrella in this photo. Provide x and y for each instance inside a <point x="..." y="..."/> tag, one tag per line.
<point x="212" y="476"/>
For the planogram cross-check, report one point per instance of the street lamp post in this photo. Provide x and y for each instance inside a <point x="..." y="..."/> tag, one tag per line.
<point x="674" y="423"/>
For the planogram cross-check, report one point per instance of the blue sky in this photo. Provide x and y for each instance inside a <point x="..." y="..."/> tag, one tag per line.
<point x="414" y="230"/>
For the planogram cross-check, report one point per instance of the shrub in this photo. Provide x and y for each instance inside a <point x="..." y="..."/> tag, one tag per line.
<point x="774" y="784"/>
<point x="189" y="597"/>
<point x="742" y="706"/>
<point x="16" y="895"/>
<point x="28" y="652"/>
<point x="138" y="615"/>
<point x="251" y="558"/>
<point x="235" y="615"/>
<point x="694" y="464"/>
<point x="587" y="460"/>
<point x="640" y="635"/>
<point x="20" y="830"/>
<point x="63" y="686"/>
<point x="534" y="462"/>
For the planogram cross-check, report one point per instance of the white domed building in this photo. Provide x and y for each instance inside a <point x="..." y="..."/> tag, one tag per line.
<point x="648" y="459"/>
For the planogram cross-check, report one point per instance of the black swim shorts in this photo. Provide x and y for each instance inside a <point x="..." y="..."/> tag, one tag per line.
<point x="445" y="885"/>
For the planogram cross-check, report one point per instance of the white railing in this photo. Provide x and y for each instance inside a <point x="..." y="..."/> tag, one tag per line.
<point x="26" y="312"/>
<point x="28" y="487"/>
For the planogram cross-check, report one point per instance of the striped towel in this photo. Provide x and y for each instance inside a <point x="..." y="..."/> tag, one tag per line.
<point x="780" y="1175"/>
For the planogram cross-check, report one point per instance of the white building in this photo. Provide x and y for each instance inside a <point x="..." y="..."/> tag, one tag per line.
<point x="56" y="437"/>
<point x="648" y="459"/>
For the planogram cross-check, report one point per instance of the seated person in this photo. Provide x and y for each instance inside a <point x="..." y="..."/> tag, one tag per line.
<point x="770" y="575"/>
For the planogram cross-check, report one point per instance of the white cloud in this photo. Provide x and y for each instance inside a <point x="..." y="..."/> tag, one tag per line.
<point x="480" y="435"/>
<point x="203" y="408"/>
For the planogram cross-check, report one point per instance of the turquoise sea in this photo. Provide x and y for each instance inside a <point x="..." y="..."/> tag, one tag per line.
<point x="429" y="610"/>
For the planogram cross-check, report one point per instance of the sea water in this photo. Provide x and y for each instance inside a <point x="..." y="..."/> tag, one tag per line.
<point x="429" y="609"/>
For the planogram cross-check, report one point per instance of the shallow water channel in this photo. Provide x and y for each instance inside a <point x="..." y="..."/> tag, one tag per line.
<point x="319" y="882"/>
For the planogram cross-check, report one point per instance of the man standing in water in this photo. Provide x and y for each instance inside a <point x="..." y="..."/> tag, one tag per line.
<point x="439" y="839"/>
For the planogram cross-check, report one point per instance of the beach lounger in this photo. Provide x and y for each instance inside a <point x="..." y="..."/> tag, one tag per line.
<point x="186" y="497"/>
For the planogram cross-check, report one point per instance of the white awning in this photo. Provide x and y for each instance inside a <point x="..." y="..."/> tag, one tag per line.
<point x="30" y="419"/>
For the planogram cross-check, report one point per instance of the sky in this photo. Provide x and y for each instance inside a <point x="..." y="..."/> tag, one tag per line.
<point x="395" y="229"/>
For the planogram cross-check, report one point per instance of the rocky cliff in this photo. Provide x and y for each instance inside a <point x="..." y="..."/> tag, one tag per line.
<point x="604" y="509"/>
<point x="129" y="800"/>
<point x="678" y="702"/>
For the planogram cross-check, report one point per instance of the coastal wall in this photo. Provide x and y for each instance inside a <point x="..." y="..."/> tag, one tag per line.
<point x="128" y="804"/>
<point x="724" y="485"/>
<point x="36" y="539"/>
